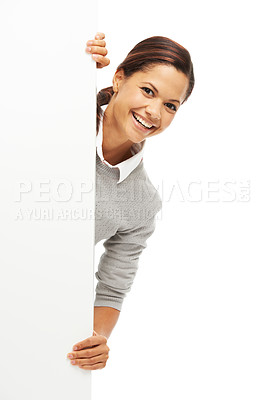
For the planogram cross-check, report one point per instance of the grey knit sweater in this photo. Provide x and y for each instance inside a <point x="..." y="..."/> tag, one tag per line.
<point x="125" y="217"/>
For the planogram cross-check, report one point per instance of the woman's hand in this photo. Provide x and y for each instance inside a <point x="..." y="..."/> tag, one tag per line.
<point x="91" y="353"/>
<point x="98" y="50"/>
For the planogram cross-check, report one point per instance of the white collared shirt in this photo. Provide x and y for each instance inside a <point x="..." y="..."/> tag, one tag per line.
<point x="127" y="166"/>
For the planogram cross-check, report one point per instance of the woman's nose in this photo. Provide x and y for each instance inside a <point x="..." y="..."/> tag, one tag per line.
<point x="154" y="110"/>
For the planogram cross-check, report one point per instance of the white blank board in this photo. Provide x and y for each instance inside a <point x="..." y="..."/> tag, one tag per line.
<point x="47" y="164"/>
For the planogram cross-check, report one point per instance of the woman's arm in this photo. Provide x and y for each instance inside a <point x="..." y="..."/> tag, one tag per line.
<point x="105" y="319"/>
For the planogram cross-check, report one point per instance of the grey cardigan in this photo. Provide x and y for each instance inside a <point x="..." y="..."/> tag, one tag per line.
<point x="125" y="217"/>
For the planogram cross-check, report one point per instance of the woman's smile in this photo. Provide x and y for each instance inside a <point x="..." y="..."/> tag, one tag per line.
<point x="142" y="124"/>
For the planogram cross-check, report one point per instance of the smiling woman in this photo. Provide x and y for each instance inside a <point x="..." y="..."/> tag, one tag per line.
<point x="148" y="88"/>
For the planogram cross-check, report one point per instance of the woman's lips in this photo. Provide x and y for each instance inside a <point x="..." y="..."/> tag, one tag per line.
<point x="148" y="122"/>
<point x="140" y="126"/>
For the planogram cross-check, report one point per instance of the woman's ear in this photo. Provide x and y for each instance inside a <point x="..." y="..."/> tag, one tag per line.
<point x="118" y="78"/>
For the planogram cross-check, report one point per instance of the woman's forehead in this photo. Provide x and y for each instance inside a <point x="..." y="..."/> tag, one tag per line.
<point x="164" y="78"/>
<point x="160" y="71"/>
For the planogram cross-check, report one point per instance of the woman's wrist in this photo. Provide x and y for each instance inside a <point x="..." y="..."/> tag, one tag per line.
<point x="105" y="319"/>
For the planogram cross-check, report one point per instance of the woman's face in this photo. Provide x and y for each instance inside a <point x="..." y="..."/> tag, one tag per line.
<point x="146" y="102"/>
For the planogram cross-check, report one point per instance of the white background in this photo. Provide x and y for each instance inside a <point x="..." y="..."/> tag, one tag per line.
<point x="193" y="325"/>
<point x="48" y="149"/>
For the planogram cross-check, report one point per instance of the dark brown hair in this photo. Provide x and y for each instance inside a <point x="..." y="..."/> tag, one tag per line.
<point x="146" y="54"/>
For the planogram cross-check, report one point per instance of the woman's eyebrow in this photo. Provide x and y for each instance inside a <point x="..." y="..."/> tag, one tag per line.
<point x="156" y="90"/>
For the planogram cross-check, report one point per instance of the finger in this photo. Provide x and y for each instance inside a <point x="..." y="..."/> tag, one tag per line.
<point x="101" y="60"/>
<point x="99" y="35"/>
<point x="88" y="353"/>
<point x="93" y="367"/>
<point x="100" y="43"/>
<point x="97" y="50"/>
<point x="95" y="360"/>
<point x="91" y="361"/>
<point x="89" y="342"/>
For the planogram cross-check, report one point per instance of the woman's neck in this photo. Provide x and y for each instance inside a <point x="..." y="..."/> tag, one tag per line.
<point x="116" y="147"/>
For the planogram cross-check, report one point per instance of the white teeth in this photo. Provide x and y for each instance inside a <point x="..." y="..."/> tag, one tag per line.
<point x="142" y="122"/>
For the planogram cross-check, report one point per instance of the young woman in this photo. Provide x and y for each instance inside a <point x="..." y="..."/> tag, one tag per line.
<point x="148" y="88"/>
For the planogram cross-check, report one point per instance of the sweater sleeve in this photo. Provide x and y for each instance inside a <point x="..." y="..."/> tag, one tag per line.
<point x="119" y="263"/>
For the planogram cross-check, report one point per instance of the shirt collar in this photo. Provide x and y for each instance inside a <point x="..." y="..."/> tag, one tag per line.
<point x="127" y="166"/>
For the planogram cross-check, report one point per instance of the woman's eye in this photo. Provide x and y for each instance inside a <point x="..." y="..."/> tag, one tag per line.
<point x="147" y="90"/>
<point x="171" y="106"/>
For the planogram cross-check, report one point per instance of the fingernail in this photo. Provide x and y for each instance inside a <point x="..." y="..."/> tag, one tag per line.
<point x="70" y="355"/>
<point x="75" y="348"/>
<point x="88" y="48"/>
<point x="89" y="42"/>
<point x="73" y="362"/>
<point x="97" y="37"/>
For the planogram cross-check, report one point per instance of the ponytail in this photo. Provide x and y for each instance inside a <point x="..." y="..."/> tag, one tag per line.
<point x="103" y="97"/>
